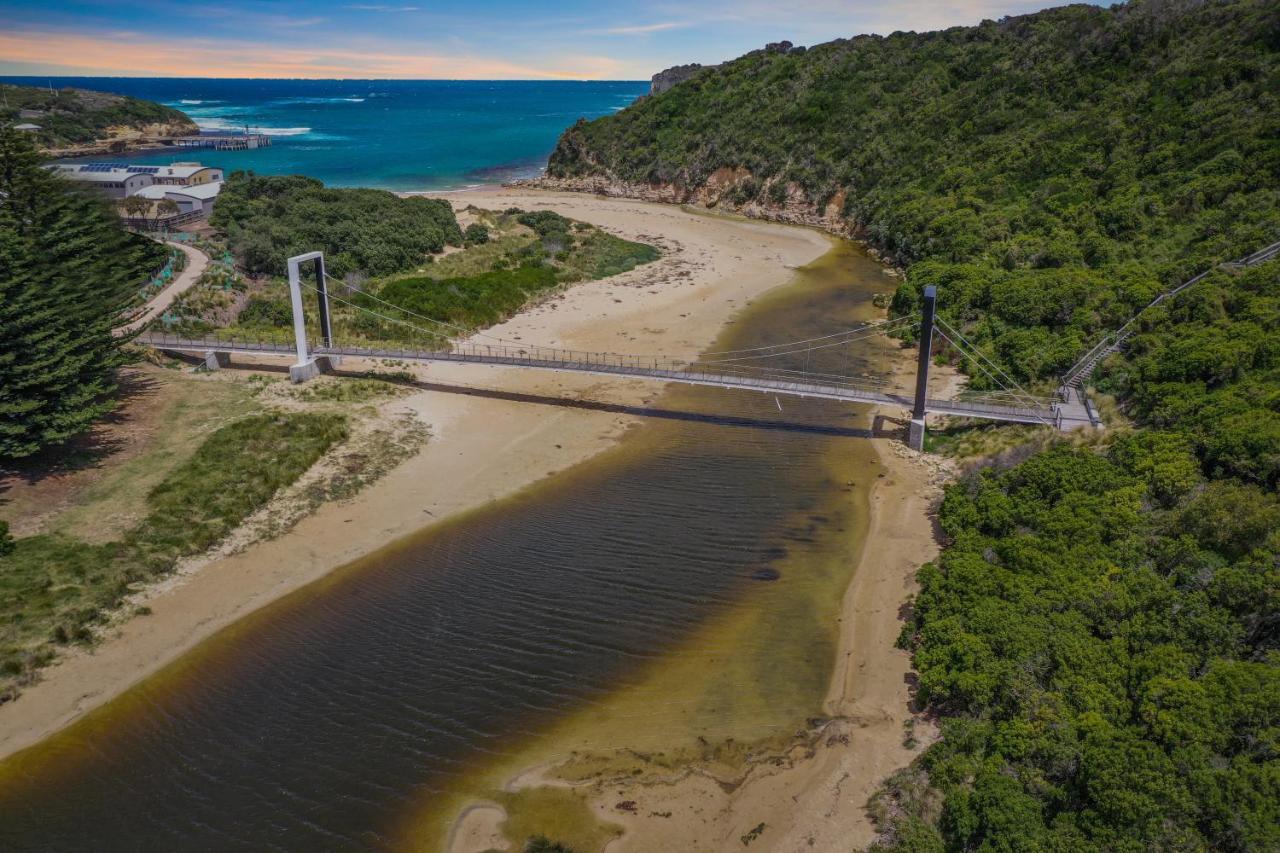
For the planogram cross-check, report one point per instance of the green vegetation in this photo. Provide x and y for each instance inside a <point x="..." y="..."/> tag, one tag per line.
<point x="522" y="256"/>
<point x="372" y="232"/>
<point x="349" y="390"/>
<point x="67" y="272"/>
<point x="1055" y="170"/>
<point x="55" y="588"/>
<point x="1101" y="635"/>
<point x="70" y="116"/>
<point x="476" y="234"/>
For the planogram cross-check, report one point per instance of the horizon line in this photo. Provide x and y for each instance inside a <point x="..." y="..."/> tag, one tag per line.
<point x="328" y="79"/>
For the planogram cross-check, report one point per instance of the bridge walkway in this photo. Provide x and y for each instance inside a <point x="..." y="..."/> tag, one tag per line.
<point x="609" y="364"/>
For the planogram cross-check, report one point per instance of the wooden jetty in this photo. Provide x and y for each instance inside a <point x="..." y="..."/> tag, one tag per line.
<point x="240" y="142"/>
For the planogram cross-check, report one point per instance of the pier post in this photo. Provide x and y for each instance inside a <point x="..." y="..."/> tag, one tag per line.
<point x="915" y="433"/>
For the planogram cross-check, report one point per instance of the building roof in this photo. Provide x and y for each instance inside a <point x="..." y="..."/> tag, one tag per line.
<point x="200" y="191"/>
<point x="26" y="127"/>
<point x="181" y="170"/>
<point x="98" y="177"/>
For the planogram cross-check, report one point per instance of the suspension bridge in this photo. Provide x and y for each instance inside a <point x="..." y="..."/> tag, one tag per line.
<point x="802" y="368"/>
<point x="812" y="368"/>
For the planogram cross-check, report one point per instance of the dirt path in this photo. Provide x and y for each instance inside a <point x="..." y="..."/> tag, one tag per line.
<point x="197" y="261"/>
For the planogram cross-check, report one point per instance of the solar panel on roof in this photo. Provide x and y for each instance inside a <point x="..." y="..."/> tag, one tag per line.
<point x="144" y="170"/>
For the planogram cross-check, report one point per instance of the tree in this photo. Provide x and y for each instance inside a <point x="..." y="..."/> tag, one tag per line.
<point x="135" y="206"/>
<point x="67" y="271"/>
<point x="6" y="541"/>
<point x="163" y="209"/>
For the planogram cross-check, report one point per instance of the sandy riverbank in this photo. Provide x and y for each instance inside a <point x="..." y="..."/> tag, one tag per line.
<point x="483" y="447"/>
<point x="801" y="792"/>
<point x="805" y="793"/>
<point x="814" y="796"/>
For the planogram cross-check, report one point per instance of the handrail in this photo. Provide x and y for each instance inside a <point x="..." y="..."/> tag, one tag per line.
<point x="1085" y="364"/>
<point x="655" y="367"/>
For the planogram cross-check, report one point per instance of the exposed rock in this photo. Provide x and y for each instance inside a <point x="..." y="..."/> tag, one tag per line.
<point x="664" y="80"/>
<point x="717" y="193"/>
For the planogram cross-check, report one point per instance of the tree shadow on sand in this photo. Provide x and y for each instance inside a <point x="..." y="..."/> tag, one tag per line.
<point x="90" y="450"/>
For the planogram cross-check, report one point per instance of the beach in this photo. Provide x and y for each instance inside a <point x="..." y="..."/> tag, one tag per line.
<point x="483" y="446"/>
<point x="496" y="431"/>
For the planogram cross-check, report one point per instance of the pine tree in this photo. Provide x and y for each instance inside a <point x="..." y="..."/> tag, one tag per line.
<point x="67" y="271"/>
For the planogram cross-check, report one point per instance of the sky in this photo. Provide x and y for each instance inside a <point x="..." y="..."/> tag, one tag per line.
<point x="438" y="39"/>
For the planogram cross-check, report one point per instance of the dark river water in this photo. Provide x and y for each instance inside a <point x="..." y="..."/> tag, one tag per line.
<point x="713" y="543"/>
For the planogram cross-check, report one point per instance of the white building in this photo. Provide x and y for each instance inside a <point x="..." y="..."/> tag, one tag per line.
<point x="199" y="184"/>
<point x="192" y="199"/>
<point x="112" y="182"/>
<point x="186" y="174"/>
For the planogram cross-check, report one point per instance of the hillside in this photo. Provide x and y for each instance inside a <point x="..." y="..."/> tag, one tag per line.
<point x="73" y="117"/>
<point x="1100" y="638"/>
<point x="1076" y="159"/>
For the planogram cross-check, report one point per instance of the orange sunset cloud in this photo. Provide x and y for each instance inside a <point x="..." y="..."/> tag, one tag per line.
<point x="128" y="54"/>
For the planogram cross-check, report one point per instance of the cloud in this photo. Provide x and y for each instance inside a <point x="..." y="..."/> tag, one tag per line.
<point x="133" y="55"/>
<point x="640" y="29"/>
<point x="377" y="7"/>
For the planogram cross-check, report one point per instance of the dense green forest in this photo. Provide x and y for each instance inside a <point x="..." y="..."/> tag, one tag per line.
<point x="1057" y="170"/>
<point x="69" y="116"/>
<point x="372" y="232"/>
<point x="67" y="272"/>
<point x="1101" y="635"/>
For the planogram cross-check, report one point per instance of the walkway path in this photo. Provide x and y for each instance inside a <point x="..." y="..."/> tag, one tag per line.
<point x="196" y="263"/>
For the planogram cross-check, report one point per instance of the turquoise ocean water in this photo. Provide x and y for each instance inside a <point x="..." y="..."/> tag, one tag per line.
<point x="392" y="134"/>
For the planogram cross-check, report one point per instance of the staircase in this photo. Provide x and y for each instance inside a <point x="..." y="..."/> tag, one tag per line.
<point x="1079" y="374"/>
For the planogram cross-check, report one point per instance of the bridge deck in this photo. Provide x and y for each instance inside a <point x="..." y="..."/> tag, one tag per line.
<point x="608" y="364"/>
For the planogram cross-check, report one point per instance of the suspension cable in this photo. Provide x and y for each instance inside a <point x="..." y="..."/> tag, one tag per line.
<point x="980" y="355"/>
<point x="864" y="336"/>
<point x="868" y="329"/>
<point x="963" y="351"/>
<point x="873" y="324"/>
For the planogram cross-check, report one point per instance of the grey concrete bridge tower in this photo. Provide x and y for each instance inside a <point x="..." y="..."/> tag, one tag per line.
<point x="915" y="433"/>
<point x="309" y="365"/>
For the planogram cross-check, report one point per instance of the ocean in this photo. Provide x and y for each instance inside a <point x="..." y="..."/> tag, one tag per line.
<point x="390" y="134"/>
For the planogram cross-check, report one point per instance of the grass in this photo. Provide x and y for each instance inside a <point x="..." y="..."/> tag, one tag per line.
<point x="527" y="256"/>
<point x="166" y="424"/>
<point x="344" y="390"/>
<point x="55" y="588"/>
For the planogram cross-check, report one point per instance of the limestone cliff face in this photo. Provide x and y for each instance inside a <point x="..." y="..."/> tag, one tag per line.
<point x="664" y="80"/>
<point x="787" y="203"/>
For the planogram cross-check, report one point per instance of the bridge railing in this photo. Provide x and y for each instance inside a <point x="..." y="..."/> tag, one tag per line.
<point x="869" y="389"/>
<point x="539" y="356"/>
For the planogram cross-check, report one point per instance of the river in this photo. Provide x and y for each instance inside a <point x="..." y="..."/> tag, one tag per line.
<point x="685" y="584"/>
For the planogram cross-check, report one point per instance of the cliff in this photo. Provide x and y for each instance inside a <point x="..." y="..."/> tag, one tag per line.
<point x="81" y="119"/>
<point x="664" y="80"/>
<point x="1070" y="136"/>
